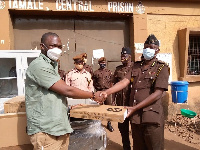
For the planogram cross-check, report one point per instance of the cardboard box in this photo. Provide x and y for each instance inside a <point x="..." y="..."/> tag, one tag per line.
<point x="14" y="105"/>
<point x="13" y="129"/>
<point x="100" y="112"/>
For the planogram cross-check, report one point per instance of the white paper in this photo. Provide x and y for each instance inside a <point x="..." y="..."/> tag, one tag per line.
<point x="167" y="58"/>
<point x="139" y="47"/>
<point x="98" y="53"/>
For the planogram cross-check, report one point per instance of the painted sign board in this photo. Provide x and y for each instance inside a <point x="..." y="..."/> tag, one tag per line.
<point x="67" y="5"/>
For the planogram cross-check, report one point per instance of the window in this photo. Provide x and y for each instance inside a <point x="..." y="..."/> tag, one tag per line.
<point x="193" y="67"/>
<point x="189" y="54"/>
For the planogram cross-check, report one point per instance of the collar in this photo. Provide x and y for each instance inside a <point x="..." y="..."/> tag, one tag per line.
<point x="82" y="71"/>
<point x="48" y="60"/>
<point x="152" y="62"/>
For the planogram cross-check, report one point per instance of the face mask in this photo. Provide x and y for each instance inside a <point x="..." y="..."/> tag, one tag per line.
<point x="54" y="53"/>
<point x="102" y="65"/>
<point x="79" y="67"/>
<point x="148" y="53"/>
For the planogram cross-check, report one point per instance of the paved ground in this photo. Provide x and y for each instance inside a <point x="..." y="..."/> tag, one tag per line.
<point x="172" y="141"/>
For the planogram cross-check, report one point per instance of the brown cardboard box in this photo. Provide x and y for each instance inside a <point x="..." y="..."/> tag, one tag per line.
<point x="14" y="105"/>
<point x="13" y="129"/>
<point x="100" y="112"/>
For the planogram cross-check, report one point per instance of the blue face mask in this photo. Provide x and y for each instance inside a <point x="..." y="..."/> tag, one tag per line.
<point x="148" y="53"/>
<point x="102" y="65"/>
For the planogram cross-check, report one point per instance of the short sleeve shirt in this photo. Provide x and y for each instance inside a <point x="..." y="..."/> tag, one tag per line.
<point x="80" y="79"/>
<point x="46" y="110"/>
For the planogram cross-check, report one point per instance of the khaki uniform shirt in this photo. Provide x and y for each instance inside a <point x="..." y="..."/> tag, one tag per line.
<point x="144" y="83"/>
<point x="122" y="97"/>
<point x="80" y="79"/>
<point x="88" y="68"/>
<point x="102" y="79"/>
<point x="46" y="110"/>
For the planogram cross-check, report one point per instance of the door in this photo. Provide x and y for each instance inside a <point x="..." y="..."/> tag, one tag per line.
<point x="78" y="35"/>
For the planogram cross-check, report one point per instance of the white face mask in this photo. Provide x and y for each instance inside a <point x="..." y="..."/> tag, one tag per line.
<point x="54" y="53"/>
<point x="148" y="53"/>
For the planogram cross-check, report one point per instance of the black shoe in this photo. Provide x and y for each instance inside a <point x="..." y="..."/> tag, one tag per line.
<point x="109" y="127"/>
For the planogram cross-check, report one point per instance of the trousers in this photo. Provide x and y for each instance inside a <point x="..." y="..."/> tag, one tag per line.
<point x="124" y="130"/>
<point x="147" y="136"/>
<point x="44" y="141"/>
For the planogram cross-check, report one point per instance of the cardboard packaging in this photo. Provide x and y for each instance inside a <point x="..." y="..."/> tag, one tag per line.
<point x="14" y="105"/>
<point x="13" y="129"/>
<point x="100" y="112"/>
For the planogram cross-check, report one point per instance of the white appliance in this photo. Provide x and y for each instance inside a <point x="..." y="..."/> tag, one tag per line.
<point x="13" y="65"/>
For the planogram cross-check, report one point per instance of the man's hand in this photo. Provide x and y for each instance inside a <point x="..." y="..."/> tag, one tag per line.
<point x="104" y="94"/>
<point x="99" y="98"/>
<point x="131" y="110"/>
<point x="74" y="106"/>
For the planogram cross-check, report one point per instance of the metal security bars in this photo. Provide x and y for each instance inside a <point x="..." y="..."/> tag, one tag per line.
<point x="193" y="67"/>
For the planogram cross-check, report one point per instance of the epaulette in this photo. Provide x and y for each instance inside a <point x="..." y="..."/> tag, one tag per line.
<point x="165" y="64"/>
<point x="162" y="62"/>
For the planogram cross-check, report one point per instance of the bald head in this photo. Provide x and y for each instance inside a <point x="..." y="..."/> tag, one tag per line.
<point x="47" y="35"/>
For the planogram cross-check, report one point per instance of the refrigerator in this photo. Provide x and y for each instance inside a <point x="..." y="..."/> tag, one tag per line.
<point x="13" y="65"/>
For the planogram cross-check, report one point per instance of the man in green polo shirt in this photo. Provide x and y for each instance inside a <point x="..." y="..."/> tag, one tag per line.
<point x="47" y="121"/>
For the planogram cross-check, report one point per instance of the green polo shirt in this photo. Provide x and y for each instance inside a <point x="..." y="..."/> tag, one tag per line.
<point x="46" y="110"/>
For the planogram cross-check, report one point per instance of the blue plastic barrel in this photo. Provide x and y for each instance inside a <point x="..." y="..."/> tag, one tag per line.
<point x="179" y="91"/>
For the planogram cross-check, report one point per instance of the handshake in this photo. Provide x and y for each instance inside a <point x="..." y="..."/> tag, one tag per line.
<point x="100" y="96"/>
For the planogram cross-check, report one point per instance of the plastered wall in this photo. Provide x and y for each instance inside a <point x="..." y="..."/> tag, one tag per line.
<point x="164" y="23"/>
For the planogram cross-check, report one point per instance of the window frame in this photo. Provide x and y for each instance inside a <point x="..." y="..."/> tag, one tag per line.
<point x="183" y="44"/>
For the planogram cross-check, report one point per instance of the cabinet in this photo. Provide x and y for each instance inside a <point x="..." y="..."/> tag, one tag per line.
<point x="13" y="65"/>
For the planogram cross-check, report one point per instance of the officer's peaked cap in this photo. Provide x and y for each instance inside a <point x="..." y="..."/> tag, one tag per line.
<point x="84" y="55"/>
<point x="102" y="59"/>
<point x="126" y="50"/>
<point x="152" y="40"/>
<point x="78" y="58"/>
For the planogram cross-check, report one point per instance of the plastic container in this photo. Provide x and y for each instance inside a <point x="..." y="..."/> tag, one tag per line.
<point x="179" y="91"/>
<point x="188" y="113"/>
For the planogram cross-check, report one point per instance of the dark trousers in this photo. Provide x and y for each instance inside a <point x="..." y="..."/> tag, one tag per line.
<point x="147" y="136"/>
<point x="124" y="130"/>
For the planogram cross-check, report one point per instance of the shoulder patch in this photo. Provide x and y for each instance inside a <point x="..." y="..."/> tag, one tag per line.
<point x="165" y="64"/>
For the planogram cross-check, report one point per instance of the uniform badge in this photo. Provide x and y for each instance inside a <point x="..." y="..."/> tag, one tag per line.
<point x="132" y="79"/>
